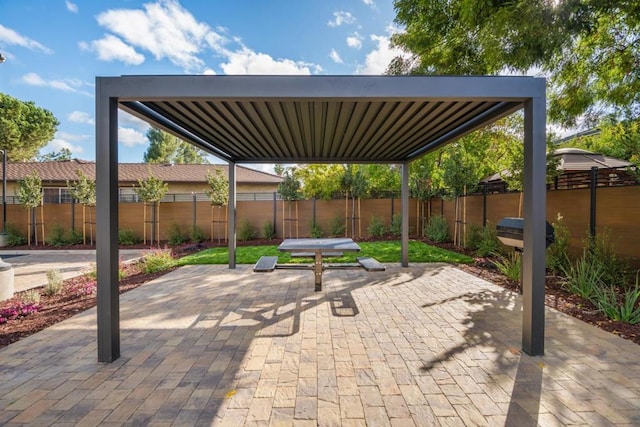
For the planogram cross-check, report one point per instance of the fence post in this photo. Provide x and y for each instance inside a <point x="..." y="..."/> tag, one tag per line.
<point x="193" y="228"/>
<point x="484" y="204"/>
<point x="592" y="207"/>
<point x="73" y="214"/>
<point x="275" y="211"/>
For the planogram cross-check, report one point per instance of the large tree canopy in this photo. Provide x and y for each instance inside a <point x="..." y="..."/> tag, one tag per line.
<point x="166" y="148"/>
<point x="24" y="128"/>
<point x="589" y="49"/>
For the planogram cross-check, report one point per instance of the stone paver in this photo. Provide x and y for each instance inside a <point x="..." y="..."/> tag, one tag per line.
<point x="425" y="345"/>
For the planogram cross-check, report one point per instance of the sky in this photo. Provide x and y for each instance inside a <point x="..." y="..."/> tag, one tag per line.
<point x="54" y="50"/>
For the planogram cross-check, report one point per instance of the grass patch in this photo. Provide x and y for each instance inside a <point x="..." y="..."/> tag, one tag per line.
<point x="388" y="251"/>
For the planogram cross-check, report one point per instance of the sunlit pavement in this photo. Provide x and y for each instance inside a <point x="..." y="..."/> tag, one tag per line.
<point x="425" y="345"/>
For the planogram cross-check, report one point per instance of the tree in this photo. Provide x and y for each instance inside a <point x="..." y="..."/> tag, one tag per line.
<point x="30" y="196"/>
<point x="218" y="192"/>
<point x="24" y="128"/>
<point x="320" y="181"/>
<point x="166" y="148"/>
<point x="56" y="156"/>
<point x="589" y="49"/>
<point x="151" y="190"/>
<point x="84" y="191"/>
<point x="289" y="190"/>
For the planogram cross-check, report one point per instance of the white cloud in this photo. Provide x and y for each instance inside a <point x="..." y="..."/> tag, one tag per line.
<point x="246" y="61"/>
<point x="209" y="72"/>
<point x="81" y="117"/>
<point x="354" y="40"/>
<point x="378" y="60"/>
<point x="369" y="3"/>
<point x="335" y="56"/>
<point x="127" y="120"/>
<point x="130" y="137"/>
<point x="58" y="143"/>
<point x="341" y="17"/>
<point x="33" y="79"/>
<point x="71" y="7"/>
<point x="10" y="37"/>
<point x="111" y="48"/>
<point x="165" y="29"/>
<point x="73" y="136"/>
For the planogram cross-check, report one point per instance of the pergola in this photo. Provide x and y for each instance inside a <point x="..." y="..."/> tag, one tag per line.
<point x="321" y="119"/>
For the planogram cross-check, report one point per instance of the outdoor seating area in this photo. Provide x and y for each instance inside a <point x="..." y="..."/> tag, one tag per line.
<point x="424" y="345"/>
<point x="318" y="249"/>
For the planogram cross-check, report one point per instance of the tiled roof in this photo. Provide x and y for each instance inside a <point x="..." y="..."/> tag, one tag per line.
<point x="131" y="172"/>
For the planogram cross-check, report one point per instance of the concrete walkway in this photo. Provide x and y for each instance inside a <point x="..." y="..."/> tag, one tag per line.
<point x="30" y="267"/>
<point x="426" y="345"/>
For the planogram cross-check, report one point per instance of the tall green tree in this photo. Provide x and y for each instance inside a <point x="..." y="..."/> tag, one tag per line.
<point x="166" y="148"/>
<point x="590" y="49"/>
<point x="24" y="128"/>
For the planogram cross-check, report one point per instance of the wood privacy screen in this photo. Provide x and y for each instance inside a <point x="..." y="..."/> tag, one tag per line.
<point x="617" y="209"/>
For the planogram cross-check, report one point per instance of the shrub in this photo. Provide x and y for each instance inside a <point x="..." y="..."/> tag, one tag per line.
<point x="396" y="225"/>
<point x="128" y="237"/>
<point x="472" y="239"/>
<point x="157" y="260"/>
<point x="58" y="237"/>
<point x="269" y="230"/>
<point x="316" y="230"/>
<point x="557" y="256"/>
<point x="246" y="231"/>
<point x="197" y="235"/>
<point x="615" y="271"/>
<point x="176" y="236"/>
<point x="437" y="229"/>
<point x="31" y="296"/>
<point x="624" y="308"/>
<point x="17" y="310"/>
<point x="54" y="283"/>
<point x="509" y="265"/>
<point x="14" y="237"/>
<point x="583" y="277"/>
<point x="483" y="240"/>
<point x="337" y="226"/>
<point x="376" y="227"/>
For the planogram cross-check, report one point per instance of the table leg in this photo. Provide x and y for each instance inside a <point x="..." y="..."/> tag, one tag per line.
<point x="317" y="270"/>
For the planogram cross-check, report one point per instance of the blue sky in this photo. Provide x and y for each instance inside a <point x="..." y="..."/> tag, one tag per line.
<point x="54" y="49"/>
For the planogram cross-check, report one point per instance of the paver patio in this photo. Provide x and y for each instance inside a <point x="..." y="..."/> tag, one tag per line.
<point x="425" y="345"/>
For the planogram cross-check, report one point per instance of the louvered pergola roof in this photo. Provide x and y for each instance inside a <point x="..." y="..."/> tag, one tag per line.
<point x="321" y="119"/>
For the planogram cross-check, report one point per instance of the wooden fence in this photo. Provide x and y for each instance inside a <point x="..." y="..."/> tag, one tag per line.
<point x="617" y="209"/>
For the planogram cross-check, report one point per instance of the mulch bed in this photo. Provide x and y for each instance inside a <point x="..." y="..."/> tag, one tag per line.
<point x="77" y="296"/>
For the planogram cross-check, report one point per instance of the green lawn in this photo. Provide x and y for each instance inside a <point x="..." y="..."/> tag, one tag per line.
<point x="382" y="251"/>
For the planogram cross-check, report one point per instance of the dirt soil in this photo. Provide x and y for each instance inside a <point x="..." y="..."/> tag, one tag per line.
<point x="79" y="294"/>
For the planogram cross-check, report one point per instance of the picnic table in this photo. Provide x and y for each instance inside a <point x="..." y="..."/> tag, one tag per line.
<point x="318" y="249"/>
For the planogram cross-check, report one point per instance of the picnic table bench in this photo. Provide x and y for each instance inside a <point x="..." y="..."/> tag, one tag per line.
<point x="317" y="249"/>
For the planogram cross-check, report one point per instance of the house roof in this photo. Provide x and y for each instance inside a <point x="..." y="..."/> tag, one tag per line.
<point x="131" y="172"/>
<point x="576" y="159"/>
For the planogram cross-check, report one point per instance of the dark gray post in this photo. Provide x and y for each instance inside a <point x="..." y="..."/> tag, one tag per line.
<point x="405" y="215"/>
<point x="484" y="204"/>
<point x="275" y="212"/>
<point x="533" y="268"/>
<point x="195" y="205"/>
<point x="592" y="204"/>
<point x="107" y="225"/>
<point x="232" y="215"/>
<point x="73" y="214"/>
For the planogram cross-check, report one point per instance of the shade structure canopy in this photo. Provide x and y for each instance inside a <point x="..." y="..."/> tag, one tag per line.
<point x="319" y="119"/>
<point x="325" y="119"/>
